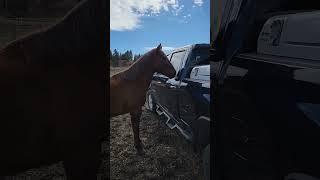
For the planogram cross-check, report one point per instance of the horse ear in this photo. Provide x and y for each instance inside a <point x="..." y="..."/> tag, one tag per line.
<point x="159" y="47"/>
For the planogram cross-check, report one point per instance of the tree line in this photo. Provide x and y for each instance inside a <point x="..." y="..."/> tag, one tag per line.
<point x="116" y="56"/>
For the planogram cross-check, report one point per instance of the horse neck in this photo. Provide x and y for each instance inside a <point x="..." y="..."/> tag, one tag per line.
<point x="81" y="33"/>
<point x="142" y="70"/>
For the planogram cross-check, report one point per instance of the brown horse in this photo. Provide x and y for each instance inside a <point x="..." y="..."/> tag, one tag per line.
<point x="52" y="95"/>
<point x="128" y="88"/>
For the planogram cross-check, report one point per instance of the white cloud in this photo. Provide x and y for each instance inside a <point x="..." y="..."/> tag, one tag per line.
<point x="126" y="14"/>
<point x="187" y="16"/>
<point x="122" y="16"/>
<point x="198" y="2"/>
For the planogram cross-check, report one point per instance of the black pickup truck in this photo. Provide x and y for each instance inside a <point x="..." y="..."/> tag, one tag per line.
<point x="185" y="99"/>
<point x="265" y="60"/>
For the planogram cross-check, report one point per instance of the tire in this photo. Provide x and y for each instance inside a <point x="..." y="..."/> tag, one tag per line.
<point x="150" y="102"/>
<point x="205" y="156"/>
<point x="201" y="131"/>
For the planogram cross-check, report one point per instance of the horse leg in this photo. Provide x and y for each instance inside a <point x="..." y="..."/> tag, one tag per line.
<point x="135" y="121"/>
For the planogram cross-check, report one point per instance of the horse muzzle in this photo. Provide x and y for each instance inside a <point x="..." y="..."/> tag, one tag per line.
<point x="172" y="74"/>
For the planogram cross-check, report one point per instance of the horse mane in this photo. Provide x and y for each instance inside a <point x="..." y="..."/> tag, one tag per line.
<point x="78" y="35"/>
<point x="137" y="69"/>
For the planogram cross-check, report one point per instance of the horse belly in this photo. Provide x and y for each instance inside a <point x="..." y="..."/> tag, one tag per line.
<point x="25" y="146"/>
<point x="122" y="102"/>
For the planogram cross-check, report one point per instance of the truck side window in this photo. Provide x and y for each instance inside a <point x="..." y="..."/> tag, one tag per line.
<point x="199" y="56"/>
<point x="176" y="59"/>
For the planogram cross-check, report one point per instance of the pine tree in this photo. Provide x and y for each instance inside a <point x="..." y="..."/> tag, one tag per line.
<point x="116" y="58"/>
<point x="130" y="55"/>
<point x="135" y="57"/>
<point x="123" y="56"/>
<point x="127" y="56"/>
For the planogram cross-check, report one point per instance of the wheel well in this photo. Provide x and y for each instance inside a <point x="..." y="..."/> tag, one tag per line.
<point x="202" y="131"/>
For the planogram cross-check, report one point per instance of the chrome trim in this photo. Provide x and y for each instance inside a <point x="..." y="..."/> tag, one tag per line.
<point x="205" y="118"/>
<point x="160" y="110"/>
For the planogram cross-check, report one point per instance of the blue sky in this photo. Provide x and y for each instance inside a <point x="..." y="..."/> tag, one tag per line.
<point x="139" y="25"/>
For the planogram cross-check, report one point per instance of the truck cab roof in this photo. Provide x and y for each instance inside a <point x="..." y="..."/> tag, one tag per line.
<point x="191" y="46"/>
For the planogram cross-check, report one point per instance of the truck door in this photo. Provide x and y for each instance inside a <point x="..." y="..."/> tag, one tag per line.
<point x="159" y="86"/>
<point x="194" y="95"/>
<point x="230" y="134"/>
<point x="190" y="105"/>
<point x="239" y="123"/>
<point x="170" y="93"/>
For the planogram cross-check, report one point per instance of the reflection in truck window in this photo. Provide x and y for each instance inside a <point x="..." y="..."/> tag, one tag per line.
<point x="177" y="59"/>
<point x="199" y="56"/>
<point x="217" y="11"/>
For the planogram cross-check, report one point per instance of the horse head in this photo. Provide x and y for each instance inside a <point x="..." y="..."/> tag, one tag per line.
<point x="162" y="63"/>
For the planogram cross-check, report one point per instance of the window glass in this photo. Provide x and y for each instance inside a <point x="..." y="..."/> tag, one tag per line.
<point x="223" y="12"/>
<point x="216" y="13"/>
<point x="199" y="56"/>
<point x="176" y="59"/>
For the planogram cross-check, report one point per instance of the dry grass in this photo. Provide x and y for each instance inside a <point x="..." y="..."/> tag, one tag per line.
<point x="167" y="154"/>
<point x="114" y="70"/>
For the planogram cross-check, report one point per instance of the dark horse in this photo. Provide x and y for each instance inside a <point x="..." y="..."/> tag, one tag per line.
<point x="128" y="88"/>
<point x="52" y="95"/>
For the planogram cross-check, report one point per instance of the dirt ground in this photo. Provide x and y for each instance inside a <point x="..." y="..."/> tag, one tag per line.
<point x="114" y="70"/>
<point x="167" y="154"/>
